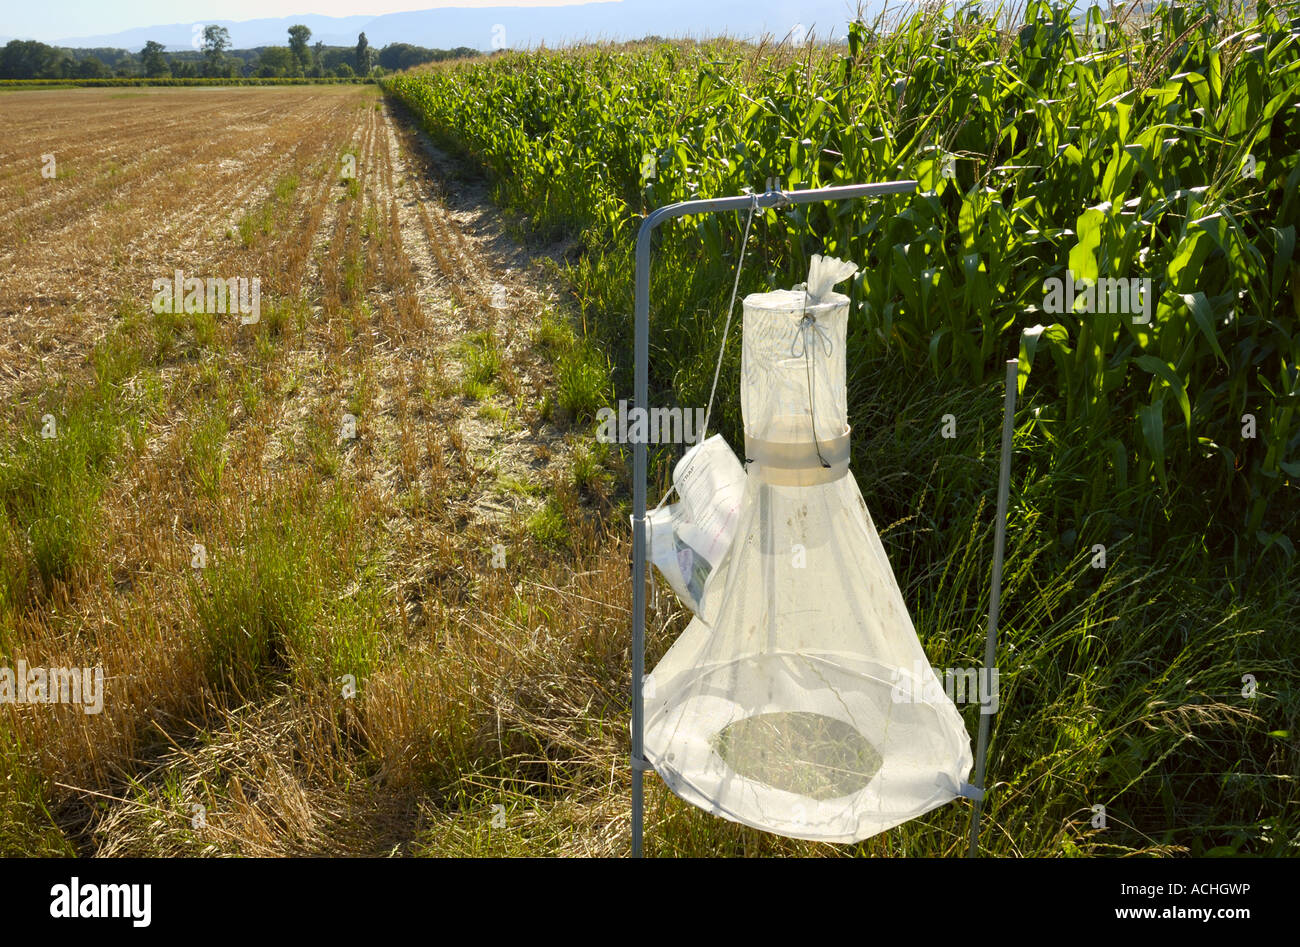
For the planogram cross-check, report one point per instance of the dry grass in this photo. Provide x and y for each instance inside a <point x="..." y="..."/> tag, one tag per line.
<point x="327" y="554"/>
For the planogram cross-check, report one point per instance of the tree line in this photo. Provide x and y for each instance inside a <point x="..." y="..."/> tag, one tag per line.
<point x="214" y="58"/>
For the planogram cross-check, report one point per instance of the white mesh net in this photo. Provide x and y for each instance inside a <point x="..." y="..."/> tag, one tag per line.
<point x="799" y="699"/>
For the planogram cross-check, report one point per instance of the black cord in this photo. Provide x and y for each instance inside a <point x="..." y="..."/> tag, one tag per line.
<point x="809" y="353"/>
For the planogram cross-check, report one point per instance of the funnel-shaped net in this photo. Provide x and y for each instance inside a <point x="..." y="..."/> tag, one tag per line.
<point x="799" y="700"/>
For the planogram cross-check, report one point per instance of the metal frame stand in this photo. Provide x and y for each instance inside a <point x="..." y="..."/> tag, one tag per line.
<point x="772" y="197"/>
<point x="995" y="593"/>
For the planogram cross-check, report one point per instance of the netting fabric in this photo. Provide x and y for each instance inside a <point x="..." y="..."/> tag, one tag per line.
<point x="799" y="700"/>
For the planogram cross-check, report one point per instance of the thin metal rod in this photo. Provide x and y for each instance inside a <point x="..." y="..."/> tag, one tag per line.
<point x="995" y="593"/>
<point x="641" y="397"/>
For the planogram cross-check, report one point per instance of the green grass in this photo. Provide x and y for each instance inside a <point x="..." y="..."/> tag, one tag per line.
<point x="582" y="382"/>
<point x="481" y="357"/>
<point x="554" y="334"/>
<point x="590" y="467"/>
<point x="27" y="827"/>
<point x="285" y="187"/>
<point x="322" y="446"/>
<point x="548" y="526"/>
<point x="50" y="490"/>
<point x="494" y="413"/>
<point x="362" y="395"/>
<point x="256" y="224"/>
<point x="514" y="484"/>
<point x="50" y="485"/>
<point x="268" y="603"/>
<point x="260" y="222"/>
<point x="205" y="452"/>
<point x="277" y="314"/>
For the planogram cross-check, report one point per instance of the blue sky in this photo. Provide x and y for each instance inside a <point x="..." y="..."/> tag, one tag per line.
<point x="50" y="20"/>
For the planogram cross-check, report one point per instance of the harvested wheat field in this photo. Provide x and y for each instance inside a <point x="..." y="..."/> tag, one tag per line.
<point x="330" y="555"/>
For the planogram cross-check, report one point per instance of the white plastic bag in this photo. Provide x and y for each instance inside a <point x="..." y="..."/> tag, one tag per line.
<point x="685" y="540"/>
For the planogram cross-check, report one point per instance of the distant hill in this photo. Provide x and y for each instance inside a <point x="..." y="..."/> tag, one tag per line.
<point x="486" y="28"/>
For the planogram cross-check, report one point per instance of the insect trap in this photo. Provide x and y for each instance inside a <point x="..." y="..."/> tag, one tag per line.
<point x="788" y="703"/>
<point x="798" y="700"/>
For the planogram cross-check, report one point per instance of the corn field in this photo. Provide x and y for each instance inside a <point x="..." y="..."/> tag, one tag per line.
<point x="1162" y="151"/>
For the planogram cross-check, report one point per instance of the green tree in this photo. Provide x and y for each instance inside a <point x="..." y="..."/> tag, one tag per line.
<point x="396" y="56"/>
<point x="29" y="59"/>
<point x="92" y="67"/>
<point x="275" y="61"/>
<point x="298" y="37"/>
<point x="216" y="40"/>
<point x="155" y="63"/>
<point x="363" y="55"/>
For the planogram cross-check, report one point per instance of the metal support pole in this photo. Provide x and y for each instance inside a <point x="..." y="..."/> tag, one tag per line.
<point x="641" y="382"/>
<point x="995" y="593"/>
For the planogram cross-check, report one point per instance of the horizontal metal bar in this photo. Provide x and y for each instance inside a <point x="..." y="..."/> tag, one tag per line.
<point x="774" y="198"/>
